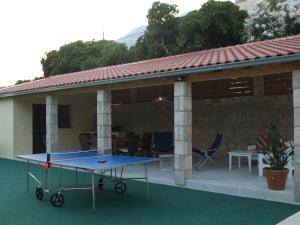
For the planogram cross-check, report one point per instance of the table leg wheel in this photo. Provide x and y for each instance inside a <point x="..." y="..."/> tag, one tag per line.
<point x="120" y="187"/>
<point x="57" y="199"/>
<point x="39" y="193"/>
<point x="100" y="184"/>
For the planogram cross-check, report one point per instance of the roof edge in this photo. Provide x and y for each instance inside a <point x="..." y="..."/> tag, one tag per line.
<point x="174" y="73"/>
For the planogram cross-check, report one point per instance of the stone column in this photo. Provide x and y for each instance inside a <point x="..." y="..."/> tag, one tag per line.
<point x="104" y="122"/>
<point x="183" y="131"/>
<point x="296" y="102"/>
<point x="51" y="123"/>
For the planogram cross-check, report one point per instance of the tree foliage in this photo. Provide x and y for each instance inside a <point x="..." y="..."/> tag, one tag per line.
<point x="22" y="82"/>
<point x="161" y="22"/>
<point x="160" y="37"/>
<point x="273" y="19"/>
<point x="28" y="80"/>
<point x="215" y="24"/>
<point x="81" y="55"/>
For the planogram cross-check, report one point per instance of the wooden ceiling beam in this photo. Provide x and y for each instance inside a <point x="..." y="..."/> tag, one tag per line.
<point x="245" y="72"/>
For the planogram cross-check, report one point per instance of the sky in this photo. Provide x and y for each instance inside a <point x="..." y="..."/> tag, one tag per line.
<point x="30" y="28"/>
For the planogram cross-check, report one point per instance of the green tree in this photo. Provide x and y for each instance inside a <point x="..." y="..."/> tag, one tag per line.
<point x="160" y="37"/>
<point x="215" y="24"/>
<point x="161" y="21"/>
<point x="22" y="82"/>
<point x="50" y="63"/>
<point x="79" y="55"/>
<point x="26" y="81"/>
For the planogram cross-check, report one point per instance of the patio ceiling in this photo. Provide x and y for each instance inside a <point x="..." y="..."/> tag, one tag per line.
<point x="279" y="84"/>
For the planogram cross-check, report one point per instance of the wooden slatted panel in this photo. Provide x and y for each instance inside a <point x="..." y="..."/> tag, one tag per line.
<point x="273" y="85"/>
<point x="278" y="84"/>
<point x="223" y="88"/>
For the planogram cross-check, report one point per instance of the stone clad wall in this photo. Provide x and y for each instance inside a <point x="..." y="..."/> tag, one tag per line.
<point x="241" y="119"/>
<point x="146" y="117"/>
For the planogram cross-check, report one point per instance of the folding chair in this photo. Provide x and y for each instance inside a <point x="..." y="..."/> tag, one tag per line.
<point x="207" y="155"/>
<point x="163" y="148"/>
<point x="146" y="144"/>
<point x="84" y="141"/>
<point x="163" y="142"/>
<point x="133" y="145"/>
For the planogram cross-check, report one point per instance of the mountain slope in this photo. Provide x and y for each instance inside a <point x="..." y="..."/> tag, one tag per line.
<point x="130" y="38"/>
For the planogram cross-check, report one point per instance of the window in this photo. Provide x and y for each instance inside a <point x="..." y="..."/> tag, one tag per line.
<point x="64" y="116"/>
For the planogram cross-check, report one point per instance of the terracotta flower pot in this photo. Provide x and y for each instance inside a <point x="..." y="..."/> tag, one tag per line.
<point x="276" y="179"/>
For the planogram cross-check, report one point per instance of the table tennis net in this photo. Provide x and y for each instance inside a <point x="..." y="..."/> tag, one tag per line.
<point x="60" y="156"/>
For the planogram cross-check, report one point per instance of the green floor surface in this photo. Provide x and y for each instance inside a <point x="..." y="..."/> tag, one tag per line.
<point x="167" y="205"/>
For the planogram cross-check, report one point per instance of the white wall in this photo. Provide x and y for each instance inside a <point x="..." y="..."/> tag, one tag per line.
<point x="81" y="119"/>
<point x="6" y="127"/>
<point x="16" y="122"/>
<point x="23" y="124"/>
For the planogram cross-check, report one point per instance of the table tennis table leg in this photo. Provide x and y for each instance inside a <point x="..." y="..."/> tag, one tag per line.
<point x="93" y="191"/>
<point x="76" y="176"/>
<point x="60" y="178"/>
<point x="27" y="175"/>
<point x="47" y="177"/>
<point x="121" y="173"/>
<point x="147" y="185"/>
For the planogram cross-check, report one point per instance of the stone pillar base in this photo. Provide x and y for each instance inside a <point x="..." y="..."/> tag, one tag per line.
<point x="181" y="176"/>
<point x="297" y="182"/>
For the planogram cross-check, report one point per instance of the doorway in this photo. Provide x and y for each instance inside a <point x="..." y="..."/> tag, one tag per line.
<point x="39" y="128"/>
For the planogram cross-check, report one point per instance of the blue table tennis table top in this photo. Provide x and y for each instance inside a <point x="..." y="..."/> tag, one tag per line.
<point x="87" y="159"/>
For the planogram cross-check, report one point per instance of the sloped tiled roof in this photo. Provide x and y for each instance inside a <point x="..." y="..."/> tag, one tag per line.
<point x="220" y="56"/>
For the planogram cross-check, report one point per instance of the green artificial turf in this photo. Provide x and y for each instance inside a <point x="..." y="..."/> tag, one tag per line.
<point x="167" y="205"/>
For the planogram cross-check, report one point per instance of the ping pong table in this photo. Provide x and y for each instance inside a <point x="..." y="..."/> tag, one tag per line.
<point x="105" y="166"/>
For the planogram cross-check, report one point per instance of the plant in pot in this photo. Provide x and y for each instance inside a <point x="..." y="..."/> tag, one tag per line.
<point x="276" y="155"/>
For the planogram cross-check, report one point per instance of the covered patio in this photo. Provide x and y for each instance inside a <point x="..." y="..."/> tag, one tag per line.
<point x="237" y="107"/>
<point x="234" y="90"/>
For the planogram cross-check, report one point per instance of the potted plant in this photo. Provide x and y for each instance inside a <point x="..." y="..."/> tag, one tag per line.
<point x="276" y="155"/>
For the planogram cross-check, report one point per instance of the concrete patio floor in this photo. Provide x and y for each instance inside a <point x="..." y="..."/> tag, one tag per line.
<point x="238" y="182"/>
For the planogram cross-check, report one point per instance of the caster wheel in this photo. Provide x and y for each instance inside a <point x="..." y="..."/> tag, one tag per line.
<point x="39" y="193"/>
<point x="120" y="187"/>
<point x="57" y="199"/>
<point x="100" y="184"/>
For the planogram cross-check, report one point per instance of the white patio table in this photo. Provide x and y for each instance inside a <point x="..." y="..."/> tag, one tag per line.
<point x="241" y="153"/>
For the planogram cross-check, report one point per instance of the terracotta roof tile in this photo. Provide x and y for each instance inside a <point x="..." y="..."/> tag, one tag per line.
<point x="238" y="53"/>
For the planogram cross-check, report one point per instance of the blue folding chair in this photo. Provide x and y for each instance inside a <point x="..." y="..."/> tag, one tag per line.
<point x="163" y="142"/>
<point x="207" y="155"/>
